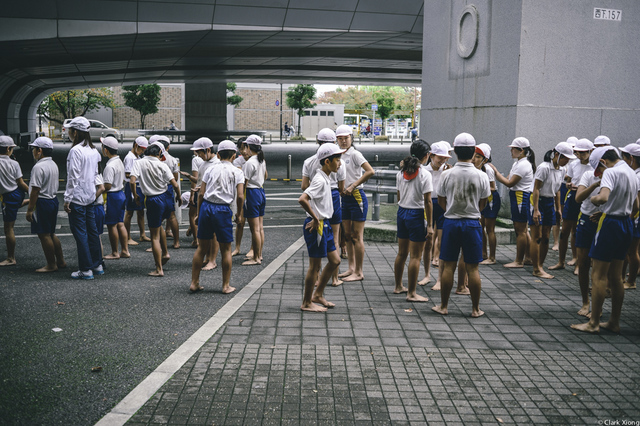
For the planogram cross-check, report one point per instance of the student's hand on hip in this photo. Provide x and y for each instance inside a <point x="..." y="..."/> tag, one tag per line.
<point x="67" y="208"/>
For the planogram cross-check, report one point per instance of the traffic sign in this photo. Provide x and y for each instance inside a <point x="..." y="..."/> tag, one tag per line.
<point x="277" y="102"/>
<point x="374" y="107"/>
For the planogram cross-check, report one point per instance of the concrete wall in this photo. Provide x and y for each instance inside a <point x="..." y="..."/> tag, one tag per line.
<point x="205" y="106"/>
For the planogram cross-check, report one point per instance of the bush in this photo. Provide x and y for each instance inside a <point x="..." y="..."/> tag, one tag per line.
<point x="382" y="138"/>
<point x="297" y="138"/>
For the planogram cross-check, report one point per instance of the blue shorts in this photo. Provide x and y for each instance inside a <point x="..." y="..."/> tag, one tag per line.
<point x="171" y="206"/>
<point x="215" y="219"/>
<point x="46" y="217"/>
<point x="612" y="238"/>
<point x="571" y="209"/>
<point x="156" y="210"/>
<point x="99" y="213"/>
<point x="585" y="231"/>
<point x="411" y="224"/>
<point x="254" y="203"/>
<point x="318" y="246"/>
<point x="336" y="219"/>
<point x="437" y="215"/>
<point x="493" y="206"/>
<point x="11" y="202"/>
<point x="520" y="201"/>
<point x="465" y="234"/>
<point x="547" y="208"/>
<point x="115" y="207"/>
<point x="131" y="204"/>
<point x="355" y="206"/>
<point x="563" y="191"/>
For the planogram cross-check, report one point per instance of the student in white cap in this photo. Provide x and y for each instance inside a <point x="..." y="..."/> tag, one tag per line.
<point x="12" y="192"/>
<point x="200" y="144"/>
<point x="572" y="140"/>
<point x="114" y="177"/>
<point x="255" y="172"/>
<point x="602" y="140"/>
<point x="631" y="156"/>
<point x="137" y="151"/>
<point x="221" y="185"/>
<point x="571" y="208"/>
<point x="154" y="176"/>
<point x="520" y="183"/>
<point x="462" y="229"/>
<point x="172" y="228"/>
<point x="354" y="202"/>
<point x="309" y="169"/>
<point x="42" y="211"/>
<point x="618" y="193"/>
<point x="414" y="185"/>
<point x="317" y="201"/>
<point x="489" y="214"/>
<point x="545" y="201"/>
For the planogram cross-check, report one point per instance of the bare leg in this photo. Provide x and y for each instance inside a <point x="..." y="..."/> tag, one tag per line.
<point x="573" y="246"/>
<point x="212" y="255"/>
<point x="599" y="277"/>
<point x="333" y="262"/>
<point x="335" y="280"/>
<point x="349" y="243"/>
<point x="436" y="249"/>
<point x="49" y="253"/>
<point x="426" y="261"/>
<point x="634" y="263"/>
<point x="415" y="253"/>
<point x="556" y="236"/>
<point x="256" y="236"/>
<point x="521" y="245"/>
<point x="584" y="263"/>
<point x="127" y="224"/>
<point x="484" y="239"/>
<point x="261" y="222"/>
<point x="446" y="286"/>
<point x="567" y="226"/>
<point x="196" y="264"/>
<point x="225" y="250"/>
<point x="124" y="243"/>
<point x="490" y="224"/>
<point x="398" y="267"/>
<point x="239" y="233"/>
<point x="536" y="241"/>
<point x="11" y="244"/>
<point x="617" y="297"/>
<point x="157" y="249"/>
<point x="193" y="226"/>
<point x="143" y="237"/>
<point x="113" y="240"/>
<point x="463" y="278"/>
<point x="475" y="288"/>
<point x="172" y="223"/>
<point x="357" y="236"/>
<point x="309" y="281"/>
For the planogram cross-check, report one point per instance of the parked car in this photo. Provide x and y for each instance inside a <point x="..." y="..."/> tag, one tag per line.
<point x="98" y="130"/>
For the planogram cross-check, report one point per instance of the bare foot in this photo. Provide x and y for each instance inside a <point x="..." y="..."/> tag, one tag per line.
<point x="169" y="235"/>
<point x="112" y="256"/>
<point x="557" y="266"/>
<point x="436" y="286"/>
<point x="555" y="247"/>
<point x="149" y="250"/>
<point x="477" y="314"/>
<point x="8" y="262"/>
<point x="463" y="291"/>
<point x="576" y="271"/>
<point x="542" y="274"/>
<point x="165" y="259"/>
<point x="156" y="274"/>
<point x="194" y="244"/>
<point x="528" y="262"/>
<point x="144" y="238"/>
<point x="572" y="262"/>
<point x="353" y="277"/>
<point x="322" y="301"/>
<point x="312" y="307"/>
<point x="400" y="290"/>
<point x="125" y="255"/>
<point x="251" y="262"/>
<point x="439" y="309"/>
<point x="235" y="252"/>
<point x="249" y="255"/>
<point x="343" y="254"/>
<point x="132" y="242"/>
<point x="417" y="298"/>
<point x="45" y="269"/>
<point x="435" y="262"/>
<point x="584" y="311"/>
<point x="488" y="262"/>
<point x="228" y="289"/>
<point x="209" y="266"/>
<point x="337" y="283"/>
<point x="608" y="326"/>
<point x="425" y="280"/>
<point x="514" y="265"/>
<point x="586" y="327"/>
<point x="195" y="289"/>
<point x="62" y="265"/>
<point x="345" y="274"/>
<point x="188" y="233"/>
<point x="176" y="246"/>
<point x="629" y="286"/>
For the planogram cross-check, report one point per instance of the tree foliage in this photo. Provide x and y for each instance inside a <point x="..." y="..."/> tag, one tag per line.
<point x="144" y="98"/>
<point x="361" y="97"/>
<point x="74" y="103"/>
<point x="299" y="98"/>
<point x="232" y="98"/>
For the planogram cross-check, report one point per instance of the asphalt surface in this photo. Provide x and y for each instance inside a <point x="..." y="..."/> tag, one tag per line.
<point x="124" y="322"/>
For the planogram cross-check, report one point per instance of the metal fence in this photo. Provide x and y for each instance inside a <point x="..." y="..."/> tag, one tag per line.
<point x="383" y="182"/>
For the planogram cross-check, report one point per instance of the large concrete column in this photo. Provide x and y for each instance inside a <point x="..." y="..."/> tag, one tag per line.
<point x="205" y="106"/>
<point x="543" y="69"/>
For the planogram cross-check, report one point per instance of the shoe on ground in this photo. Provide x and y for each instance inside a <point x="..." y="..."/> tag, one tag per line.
<point x="82" y="275"/>
<point x="99" y="270"/>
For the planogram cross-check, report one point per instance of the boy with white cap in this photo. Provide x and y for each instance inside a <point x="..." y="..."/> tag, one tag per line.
<point x="463" y="192"/>
<point x="42" y="211"/>
<point x="154" y="177"/>
<point x="618" y="193"/>
<point x="114" y="176"/>
<point x="137" y="150"/>
<point x="317" y="202"/>
<point x="12" y="191"/>
<point x="172" y="229"/>
<point x="221" y="185"/>
<point x="209" y="159"/>
<point x="602" y="140"/>
<point x="255" y="171"/>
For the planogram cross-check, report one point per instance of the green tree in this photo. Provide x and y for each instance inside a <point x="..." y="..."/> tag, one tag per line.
<point x="386" y="105"/>
<point x="232" y="98"/>
<point x="299" y="97"/>
<point x="143" y="98"/>
<point x="74" y="103"/>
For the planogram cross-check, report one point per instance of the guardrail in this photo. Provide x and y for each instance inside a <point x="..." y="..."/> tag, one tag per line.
<point x="385" y="183"/>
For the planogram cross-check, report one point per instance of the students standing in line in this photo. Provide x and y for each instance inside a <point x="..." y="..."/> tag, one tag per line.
<point x="255" y="172"/>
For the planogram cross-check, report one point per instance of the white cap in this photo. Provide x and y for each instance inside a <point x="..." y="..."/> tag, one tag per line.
<point x="596" y="155"/>
<point x="441" y="149"/>
<point x="227" y="145"/>
<point x="253" y="140"/>
<point x="158" y="144"/>
<point x="344" y="130"/>
<point x="484" y="150"/>
<point x="202" y="143"/>
<point x="327" y="150"/>
<point x="110" y="142"/>
<point x="583" y="145"/>
<point x="142" y="142"/>
<point x="45" y="142"/>
<point x="602" y="140"/>
<point x="6" y="141"/>
<point x="326" y="135"/>
<point x="185" y="199"/>
<point x="632" y="149"/>
<point x="79" y="123"/>
<point x="564" y="148"/>
<point x="520" y="142"/>
<point x="464" y="139"/>
<point x="153" y="138"/>
<point x="572" y="140"/>
<point x="638" y="141"/>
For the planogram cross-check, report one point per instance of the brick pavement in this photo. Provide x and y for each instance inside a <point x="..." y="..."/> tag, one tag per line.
<point x="378" y="359"/>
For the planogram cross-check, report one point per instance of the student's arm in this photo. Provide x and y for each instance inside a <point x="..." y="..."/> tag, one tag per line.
<point x="483" y="203"/>
<point x="509" y="183"/>
<point x="492" y="185"/>
<point x="442" y="202"/>
<point x="107" y="187"/>
<point x="239" y="203"/>
<point x="428" y="212"/>
<point x="176" y="190"/>
<point x="192" y="178"/>
<point x="635" y="205"/>
<point x="33" y="199"/>
<point x="535" y="197"/>
<point x="306" y="182"/>
<point x="23" y="186"/>
<point x="341" y="186"/>
<point x="132" y="183"/>
<point x="203" y="189"/>
<point x="558" y="203"/>
<point x="99" y="190"/>
<point x="368" y="173"/>
<point x="304" y="202"/>
<point x="602" y="197"/>
<point x="584" y="192"/>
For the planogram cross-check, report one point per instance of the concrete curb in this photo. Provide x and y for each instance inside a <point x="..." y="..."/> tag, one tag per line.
<point x="382" y="231"/>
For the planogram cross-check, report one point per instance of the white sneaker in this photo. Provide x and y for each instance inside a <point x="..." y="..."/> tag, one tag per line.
<point x="82" y="275"/>
<point x="99" y="270"/>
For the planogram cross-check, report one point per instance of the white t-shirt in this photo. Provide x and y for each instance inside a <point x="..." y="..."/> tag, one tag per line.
<point x="522" y="168"/>
<point x="153" y="175"/>
<point x="128" y="162"/>
<point x="435" y="177"/>
<point x="254" y="172"/>
<point x="587" y="207"/>
<point x="319" y="192"/>
<point x="82" y="168"/>
<point x="490" y="173"/>
<point x="44" y="175"/>
<point x="353" y="160"/>
<point x="9" y="173"/>
<point x="576" y="170"/>
<point x="203" y="168"/>
<point x="239" y="161"/>
<point x="114" y="174"/>
<point x="99" y="199"/>
<point x="196" y="162"/>
<point x="312" y="165"/>
<point x="551" y="179"/>
<point x="464" y="186"/>
<point x="221" y="182"/>
<point x="412" y="191"/>
<point x="172" y="162"/>
<point x="623" y="184"/>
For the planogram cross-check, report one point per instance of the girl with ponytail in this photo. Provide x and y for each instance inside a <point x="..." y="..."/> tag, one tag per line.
<point x="255" y="172"/>
<point x="490" y="212"/>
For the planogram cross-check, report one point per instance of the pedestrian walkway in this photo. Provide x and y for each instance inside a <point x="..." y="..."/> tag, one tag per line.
<point x="378" y="359"/>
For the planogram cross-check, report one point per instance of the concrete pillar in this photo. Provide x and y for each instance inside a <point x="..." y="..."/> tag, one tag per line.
<point x="205" y="106"/>
<point x="543" y="69"/>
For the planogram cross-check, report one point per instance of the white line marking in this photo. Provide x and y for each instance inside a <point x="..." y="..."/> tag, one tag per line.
<point x="131" y="403"/>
